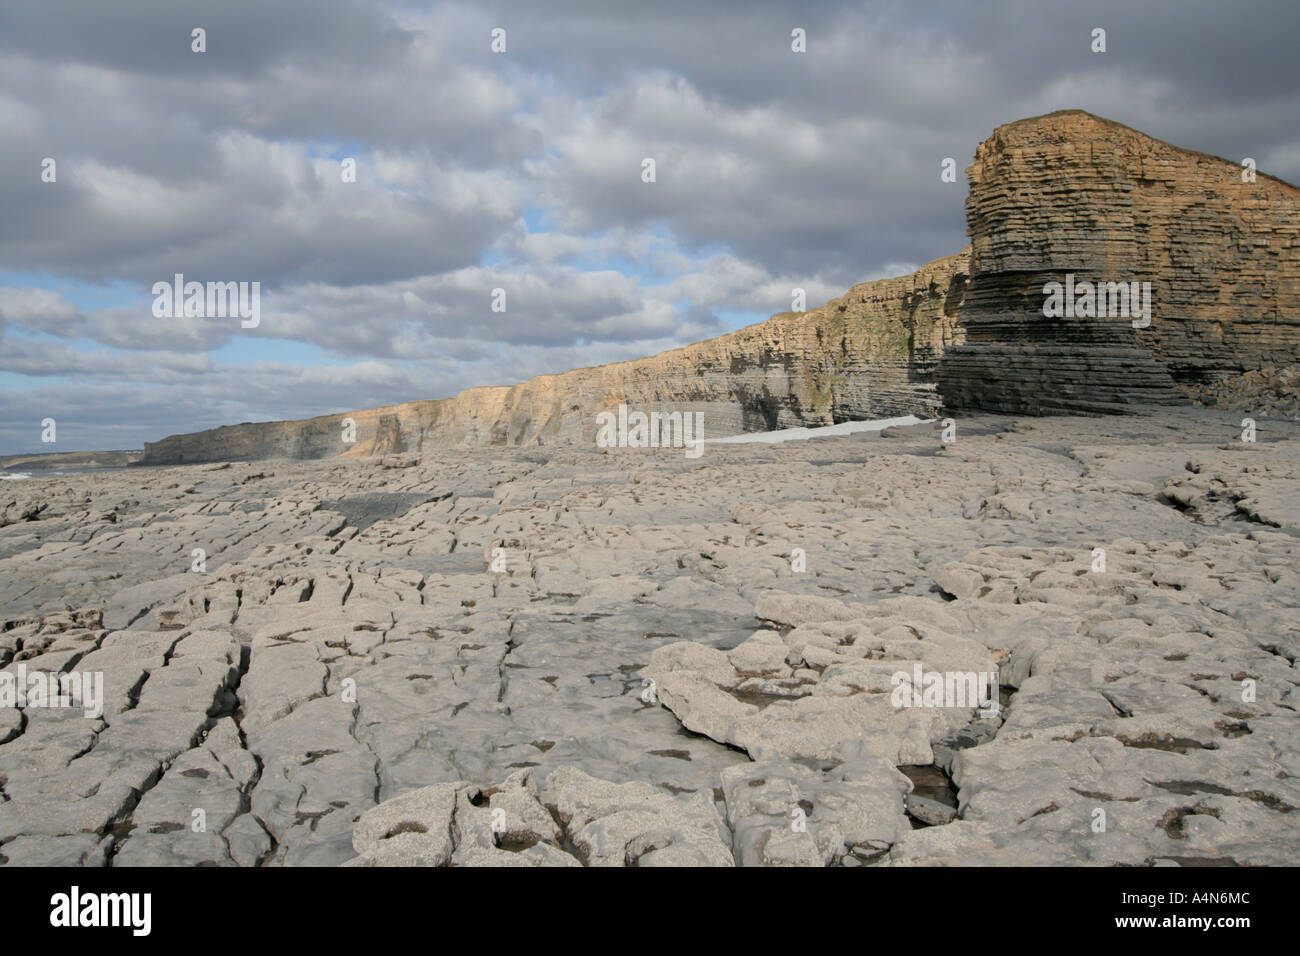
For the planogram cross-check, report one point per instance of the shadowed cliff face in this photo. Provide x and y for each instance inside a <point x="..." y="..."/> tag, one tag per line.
<point x="1058" y="194"/>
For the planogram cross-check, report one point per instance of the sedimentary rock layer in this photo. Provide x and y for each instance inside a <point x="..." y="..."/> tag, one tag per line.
<point x="1067" y="193"/>
<point x="868" y="354"/>
<point x="1073" y="193"/>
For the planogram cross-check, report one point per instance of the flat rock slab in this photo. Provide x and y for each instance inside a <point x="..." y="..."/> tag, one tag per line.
<point x="559" y="657"/>
<point x="363" y="510"/>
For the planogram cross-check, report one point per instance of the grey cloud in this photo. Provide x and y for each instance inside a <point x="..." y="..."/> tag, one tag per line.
<point x="39" y="310"/>
<point x="243" y="36"/>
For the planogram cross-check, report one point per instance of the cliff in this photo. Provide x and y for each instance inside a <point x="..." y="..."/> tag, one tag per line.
<point x="868" y="354"/>
<point x="1071" y="193"/>
<point x="68" y="460"/>
<point x="1066" y="193"/>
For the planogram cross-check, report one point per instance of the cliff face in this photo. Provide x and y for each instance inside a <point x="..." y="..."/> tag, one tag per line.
<point x="1067" y="193"/>
<point x="377" y="431"/>
<point x="1070" y="193"/>
<point x="869" y="354"/>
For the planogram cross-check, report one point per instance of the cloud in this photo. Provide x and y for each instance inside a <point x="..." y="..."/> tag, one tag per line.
<point x="38" y="310"/>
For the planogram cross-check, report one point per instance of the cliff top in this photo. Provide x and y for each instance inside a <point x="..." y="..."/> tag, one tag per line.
<point x="1028" y="122"/>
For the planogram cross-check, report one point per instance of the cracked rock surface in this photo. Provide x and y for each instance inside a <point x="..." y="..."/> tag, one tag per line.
<point x="558" y="657"/>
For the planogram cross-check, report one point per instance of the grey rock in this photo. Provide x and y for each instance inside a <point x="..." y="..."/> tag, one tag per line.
<point x="929" y="811"/>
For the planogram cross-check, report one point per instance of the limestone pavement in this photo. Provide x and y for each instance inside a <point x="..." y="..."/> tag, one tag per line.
<point x="612" y="657"/>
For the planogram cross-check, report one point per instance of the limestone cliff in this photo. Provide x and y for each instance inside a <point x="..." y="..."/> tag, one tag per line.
<point x="869" y="354"/>
<point x="1064" y="193"/>
<point x="1073" y="193"/>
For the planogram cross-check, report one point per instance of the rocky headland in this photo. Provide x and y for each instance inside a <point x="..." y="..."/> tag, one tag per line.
<point x="1066" y="193"/>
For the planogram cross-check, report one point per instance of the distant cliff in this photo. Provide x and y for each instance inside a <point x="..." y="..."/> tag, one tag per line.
<point x="869" y="354"/>
<point x="68" y="460"/>
<point x="1064" y="193"/>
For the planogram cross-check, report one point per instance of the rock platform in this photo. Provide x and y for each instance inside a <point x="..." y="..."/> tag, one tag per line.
<point x="565" y="656"/>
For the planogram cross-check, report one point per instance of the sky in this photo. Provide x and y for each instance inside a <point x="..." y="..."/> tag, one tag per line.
<point x="521" y="170"/>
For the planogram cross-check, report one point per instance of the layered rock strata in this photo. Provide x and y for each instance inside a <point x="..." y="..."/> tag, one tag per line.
<point x="868" y="354"/>
<point x="1063" y="194"/>
<point x="1071" y="193"/>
